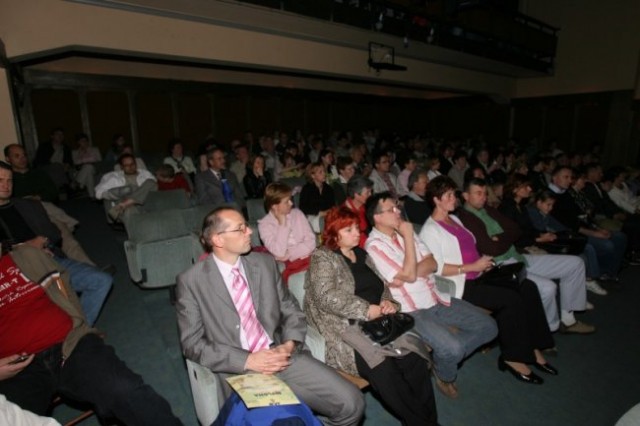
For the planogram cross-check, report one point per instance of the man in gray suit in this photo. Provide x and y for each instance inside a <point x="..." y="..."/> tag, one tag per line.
<point x="215" y="335"/>
<point x="210" y="184"/>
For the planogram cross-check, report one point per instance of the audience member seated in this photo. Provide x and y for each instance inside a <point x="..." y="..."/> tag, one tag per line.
<point x="288" y="167"/>
<point x="241" y="163"/>
<point x="24" y="221"/>
<point x="115" y="151"/>
<point x="433" y="168"/>
<point x="446" y="159"/>
<point x="408" y="163"/>
<point x="285" y="231"/>
<point x="125" y="189"/>
<point x="342" y="287"/>
<point x="458" y="169"/>
<point x="168" y="179"/>
<point x="346" y="170"/>
<point x="236" y="317"/>
<point x="180" y="162"/>
<point x="256" y="178"/>
<point x="28" y="182"/>
<point x="43" y="321"/>
<point x="316" y="197"/>
<point x="523" y="328"/>
<point x="498" y="236"/>
<point x="215" y="185"/>
<point x="358" y="153"/>
<point x="610" y="246"/>
<point x="128" y="149"/>
<point x="539" y="212"/>
<point x="416" y="206"/>
<point x="451" y="327"/>
<point x="359" y="189"/>
<point x="85" y="158"/>
<point x="620" y="193"/>
<point x="383" y="180"/>
<point x="54" y="157"/>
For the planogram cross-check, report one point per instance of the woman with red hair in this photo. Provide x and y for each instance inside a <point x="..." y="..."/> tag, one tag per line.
<point x="341" y="287"/>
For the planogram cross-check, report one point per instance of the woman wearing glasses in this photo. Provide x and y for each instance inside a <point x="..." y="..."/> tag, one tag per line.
<point x="342" y="285"/>
<point x="285" y="231"/>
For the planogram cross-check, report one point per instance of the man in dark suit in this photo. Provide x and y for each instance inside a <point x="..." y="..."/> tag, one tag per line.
<point x="219" y="331"/>
<point x="215" y="185"/>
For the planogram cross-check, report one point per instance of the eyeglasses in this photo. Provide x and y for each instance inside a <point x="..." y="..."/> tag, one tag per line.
<point x="243" y="228"/>
<point x="394" y="209"/>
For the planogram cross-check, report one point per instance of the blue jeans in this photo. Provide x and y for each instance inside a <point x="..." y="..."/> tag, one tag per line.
<point x="591" y="263"/>
<point x="92" y="284"/>
<point x="610" y="251"/>
<point x="474" y="328"/>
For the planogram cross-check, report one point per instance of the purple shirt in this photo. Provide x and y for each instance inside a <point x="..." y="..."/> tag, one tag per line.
<point x="467" y="245"/>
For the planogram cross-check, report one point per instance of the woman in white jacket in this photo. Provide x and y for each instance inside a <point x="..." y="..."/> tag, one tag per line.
<point x="523" y="329"/>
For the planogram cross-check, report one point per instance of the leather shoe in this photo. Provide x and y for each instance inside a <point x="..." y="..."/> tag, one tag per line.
<point x="449" y="389"/>
<point x="546" y="368"/>
<point x="578" y="327"/>
<point x="531" y="378"/>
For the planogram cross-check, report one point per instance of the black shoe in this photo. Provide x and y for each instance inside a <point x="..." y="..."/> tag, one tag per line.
<point x="546" y="368"/>
<point x="109" y="269"/>
<point x="531" y="378"/>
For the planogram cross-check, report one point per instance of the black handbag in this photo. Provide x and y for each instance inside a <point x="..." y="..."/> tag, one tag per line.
<point x="566" y="243"/>
<point x="508" y="275"/>
<point x="387" y="328"/>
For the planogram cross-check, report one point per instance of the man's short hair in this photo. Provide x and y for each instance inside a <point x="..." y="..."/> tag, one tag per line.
<point x="5" y="166"/>
<point x="356" y="184"/>
<point x="7" y="149"/>
<point x="125" y="155"/>
<point x="372" y="207"/>
<point x="343" y="162"/>
<point x="213" y="224"/>
<point x="459" y="154"/>
<point x="404" y="157"/>
<point x="212" y="151"/>
<point x="166" y="171"/>
<point x="377" y="155"/>
<point x="473" y="181"/>
<point x="558" y="169"/>
<point x="415" y="176"/>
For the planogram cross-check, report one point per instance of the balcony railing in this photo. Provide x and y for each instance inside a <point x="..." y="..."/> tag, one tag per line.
<point x="481" y="28"/>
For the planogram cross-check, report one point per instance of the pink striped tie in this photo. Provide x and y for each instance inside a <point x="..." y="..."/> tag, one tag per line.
<point x="257" y="338"/>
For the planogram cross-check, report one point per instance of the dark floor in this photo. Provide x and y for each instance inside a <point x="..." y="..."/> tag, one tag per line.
<point x="599" y="374"/>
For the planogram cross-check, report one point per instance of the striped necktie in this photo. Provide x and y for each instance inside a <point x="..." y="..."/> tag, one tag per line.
<point x="257" y="338"/>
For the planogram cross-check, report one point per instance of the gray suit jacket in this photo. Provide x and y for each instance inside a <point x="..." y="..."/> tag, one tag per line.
<point x="209" y="189"/>
<point x="209" y="323"/>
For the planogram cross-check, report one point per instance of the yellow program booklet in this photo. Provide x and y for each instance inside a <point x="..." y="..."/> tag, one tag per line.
<point x="261" y="390"/>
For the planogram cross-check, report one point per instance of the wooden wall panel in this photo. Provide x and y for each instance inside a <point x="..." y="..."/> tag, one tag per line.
<point x="231" y="117"/>
<point x="194" y="119"/>
<point x="265" y="114"/>
<point x="56" y="108"/>
<point x="155" y="121"/>
<point x="293" y="113"/>
<point x="108" y="115"/>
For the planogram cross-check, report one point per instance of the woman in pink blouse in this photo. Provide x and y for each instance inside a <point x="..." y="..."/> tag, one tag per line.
<point x="285" y="231"/>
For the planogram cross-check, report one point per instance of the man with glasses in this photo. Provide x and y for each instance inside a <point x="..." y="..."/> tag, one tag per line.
<point x="452" y="327"/>
<point x="236" y="317"/>
<point x="125" y="189"/>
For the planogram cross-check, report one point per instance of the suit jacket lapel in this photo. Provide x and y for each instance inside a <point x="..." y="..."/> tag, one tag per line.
<point x="216" y="283"/>
<point x="253" y="279"/>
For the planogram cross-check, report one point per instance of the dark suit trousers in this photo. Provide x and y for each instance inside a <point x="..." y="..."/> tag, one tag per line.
<point x="404" y="384"/>
<point x="522" y="325"/>
<point x="324" y="390"/>
<point x="94" y="374"/>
